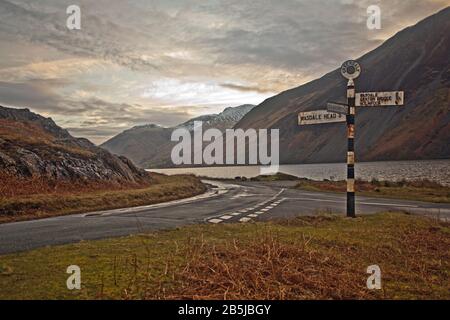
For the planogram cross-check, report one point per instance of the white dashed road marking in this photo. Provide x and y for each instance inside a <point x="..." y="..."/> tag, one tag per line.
<point x="245" y="210"/>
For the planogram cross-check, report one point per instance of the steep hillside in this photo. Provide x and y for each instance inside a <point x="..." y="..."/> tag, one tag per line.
<point x="415" y="60"/>
<point x="139" y="143"/>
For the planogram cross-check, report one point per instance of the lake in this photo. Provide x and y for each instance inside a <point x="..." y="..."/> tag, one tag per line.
<point x="436" y="170"/>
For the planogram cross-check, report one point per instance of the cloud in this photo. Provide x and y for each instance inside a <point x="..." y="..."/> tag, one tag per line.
<point x="93" y="118"/>
<point x="99" y="120"/>
<point x="302" y="38"/>
<point x="163" y="61"/>
<point x="55" y="69"/>
<point x="245" y="88"/>
<point x="36" y="94"/>
<point x="182" y="92"/>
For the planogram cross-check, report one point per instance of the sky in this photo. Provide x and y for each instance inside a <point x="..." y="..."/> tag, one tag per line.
<point x="135" y="62"/>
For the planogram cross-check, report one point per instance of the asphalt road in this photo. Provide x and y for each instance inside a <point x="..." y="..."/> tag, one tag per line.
<point x="224" y="203"/>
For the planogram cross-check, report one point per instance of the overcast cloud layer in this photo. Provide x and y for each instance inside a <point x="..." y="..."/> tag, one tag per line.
<point x="158" y="61"/>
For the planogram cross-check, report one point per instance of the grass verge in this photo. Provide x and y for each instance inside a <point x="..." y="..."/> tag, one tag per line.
<point x="421" y="190"/>
<point x="163" y="188"/>
<point x="323" y="257"/>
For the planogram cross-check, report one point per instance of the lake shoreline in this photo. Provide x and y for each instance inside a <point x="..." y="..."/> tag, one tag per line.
<point x="437" y="170"/>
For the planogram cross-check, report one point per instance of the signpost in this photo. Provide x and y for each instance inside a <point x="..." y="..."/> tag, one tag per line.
<point x="350" y="75"/>
<point x="319" y="117"/>
<point x="379" y="99"/>
<point x="337" y="108"/>
<point x="338" y="112"/>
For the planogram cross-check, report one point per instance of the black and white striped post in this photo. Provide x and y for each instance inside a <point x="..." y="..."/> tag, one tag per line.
<point x="351" y="149"/>
<point x="351" y="70"/>
<point x="335" y="113"/>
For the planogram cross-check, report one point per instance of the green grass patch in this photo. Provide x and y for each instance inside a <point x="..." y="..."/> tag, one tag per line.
<point x="322" y="257"/>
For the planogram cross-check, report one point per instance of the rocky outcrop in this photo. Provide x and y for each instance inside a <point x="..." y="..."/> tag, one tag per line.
<point x="34" y="146"/>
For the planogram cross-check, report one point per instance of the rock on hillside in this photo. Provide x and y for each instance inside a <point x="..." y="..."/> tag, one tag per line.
<point x="34" y="146"/>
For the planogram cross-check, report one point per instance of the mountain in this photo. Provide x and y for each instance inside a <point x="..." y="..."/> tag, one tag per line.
<point x="149" y="146"/>
<point x="34" y="146"/>
<point x="415" y="60"/>
<point x="140" y="143"/>
<point x="224" y="120"/>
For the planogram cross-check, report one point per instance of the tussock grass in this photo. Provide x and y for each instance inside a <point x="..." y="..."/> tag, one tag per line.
<point x="420" y="190"/>
<point x="69" y="199"/>
<point x="322" y="257"/>
<point x="15" y="186"/>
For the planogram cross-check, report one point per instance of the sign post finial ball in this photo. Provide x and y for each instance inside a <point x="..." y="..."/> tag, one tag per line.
<point x="350" y="69"/>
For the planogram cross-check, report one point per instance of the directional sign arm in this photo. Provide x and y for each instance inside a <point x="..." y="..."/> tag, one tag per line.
<point x="379" y="99"/>
<point x="337" y="108"/>
<point x="319" y="117"/>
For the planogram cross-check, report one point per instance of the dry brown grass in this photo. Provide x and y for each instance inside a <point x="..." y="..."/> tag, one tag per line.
<point x="421" y="190"/>
<point x="28" y="133"/>
<point x="323" y="257"/>
<point x="265" y="269"/>
<point x="16" y="186"/>
<point x="312" y="258"/>
<point x="25" y="199"/>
